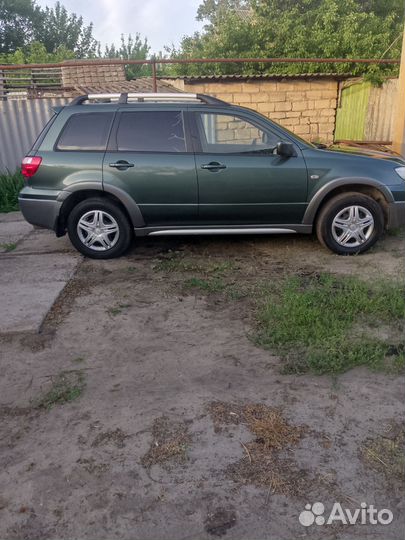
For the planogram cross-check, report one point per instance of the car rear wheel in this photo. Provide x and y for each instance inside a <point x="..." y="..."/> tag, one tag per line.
<point x="350" y="223"/>
<point x="99" y="229"/>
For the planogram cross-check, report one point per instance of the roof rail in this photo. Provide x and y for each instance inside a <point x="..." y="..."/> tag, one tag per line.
<point x="127" y="97"/>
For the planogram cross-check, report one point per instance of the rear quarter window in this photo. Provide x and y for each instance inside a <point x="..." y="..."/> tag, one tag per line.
<point x="85" y="132"/>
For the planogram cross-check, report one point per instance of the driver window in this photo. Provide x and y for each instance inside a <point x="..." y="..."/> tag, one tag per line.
<point x="229" y="134"/>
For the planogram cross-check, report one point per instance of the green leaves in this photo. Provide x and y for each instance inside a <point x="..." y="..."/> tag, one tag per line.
<point x="24" y="26"/>
<point x="295" y="28"/>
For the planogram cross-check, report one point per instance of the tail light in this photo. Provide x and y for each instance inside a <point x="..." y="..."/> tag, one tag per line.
<point x="30" y="165"/>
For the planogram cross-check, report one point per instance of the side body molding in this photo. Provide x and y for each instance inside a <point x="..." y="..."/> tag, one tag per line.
<point x="130" y="205"/>
<point x="319" y="196"/>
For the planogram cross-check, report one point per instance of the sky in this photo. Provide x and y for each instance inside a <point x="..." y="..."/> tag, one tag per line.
<point x="163" y="22"/>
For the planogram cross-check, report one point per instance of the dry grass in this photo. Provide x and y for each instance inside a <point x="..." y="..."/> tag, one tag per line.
<point x="262" y="464"/>
<point x="169" y="443"/>
<point x="386" y="454"/>
<point x="116" y="437"/>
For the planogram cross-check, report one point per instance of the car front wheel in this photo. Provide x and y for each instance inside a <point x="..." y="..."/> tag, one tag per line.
<point x="99" y="229"/>
<point x="350" y="223"/>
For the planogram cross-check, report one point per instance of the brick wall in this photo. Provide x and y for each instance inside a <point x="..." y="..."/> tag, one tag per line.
<point x="306" y="107"/>
<point x="92" y="75"/>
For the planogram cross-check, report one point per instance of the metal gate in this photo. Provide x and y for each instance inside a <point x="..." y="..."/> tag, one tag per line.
<point x="366" y="112"/>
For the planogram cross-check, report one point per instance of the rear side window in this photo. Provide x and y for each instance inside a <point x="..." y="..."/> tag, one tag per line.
<point x="42" y="135"/>
<point x="151" y="131"/>
<point x="85" y="131"/>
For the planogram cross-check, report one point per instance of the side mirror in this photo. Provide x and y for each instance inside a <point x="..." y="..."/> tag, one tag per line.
<point x="285" y="149"/>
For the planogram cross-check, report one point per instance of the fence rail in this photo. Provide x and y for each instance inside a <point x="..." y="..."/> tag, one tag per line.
<point x="29" y="78"/>
<point x="155" y="62"/>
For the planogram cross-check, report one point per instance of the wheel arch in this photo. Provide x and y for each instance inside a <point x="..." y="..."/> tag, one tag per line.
<point x="367" y="186"/>
<point x="84" y="190"/>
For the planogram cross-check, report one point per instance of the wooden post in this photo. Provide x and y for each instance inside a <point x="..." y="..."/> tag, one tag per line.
<point x="154" y="77"/>
<point x="398" y="143"/>
<point x="2" y="86"/>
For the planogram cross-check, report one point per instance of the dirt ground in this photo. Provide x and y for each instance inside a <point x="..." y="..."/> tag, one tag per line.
<point x="143" y="410"/>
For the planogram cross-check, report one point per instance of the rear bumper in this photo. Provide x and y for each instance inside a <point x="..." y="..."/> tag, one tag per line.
<point x="395" y="215"/>
<point x="40" y="208"/>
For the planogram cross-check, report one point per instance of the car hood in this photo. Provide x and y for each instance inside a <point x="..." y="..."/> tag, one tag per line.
<point x="367" y="152"/>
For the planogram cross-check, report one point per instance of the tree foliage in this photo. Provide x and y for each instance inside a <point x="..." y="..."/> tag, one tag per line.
<point x="295" y="28"/>
<point x="30" y="34"/>
<point x="28" y="31"/>
<point x="56" y="27"/>
<point x="16" y="21"/>
<point x="133" y="48"/>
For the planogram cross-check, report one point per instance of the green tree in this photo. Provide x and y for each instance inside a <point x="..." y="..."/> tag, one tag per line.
<point x="131" y="49"/>
<point x="296" y="28"/>
<point x="23" y="23"/>
<point x="16" y="18"/>
<point x="56" y="27"/>
<point x="36" y="53"/>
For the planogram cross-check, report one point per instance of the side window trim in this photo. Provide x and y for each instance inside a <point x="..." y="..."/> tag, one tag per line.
<point x="112" y="145"/>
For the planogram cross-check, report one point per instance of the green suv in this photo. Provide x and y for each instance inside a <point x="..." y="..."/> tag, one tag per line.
<point x="111" y="166"/>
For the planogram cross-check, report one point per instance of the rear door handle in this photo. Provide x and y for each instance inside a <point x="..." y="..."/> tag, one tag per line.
<point x="213" y="166"/>
<point x="121" y="165"/>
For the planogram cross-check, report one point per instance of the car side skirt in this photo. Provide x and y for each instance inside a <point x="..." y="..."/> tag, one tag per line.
<point x="244" y="229"/>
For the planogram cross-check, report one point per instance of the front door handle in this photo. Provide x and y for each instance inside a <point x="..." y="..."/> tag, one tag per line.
<point x="213" y="166"/>
<point x="121" y="165"/>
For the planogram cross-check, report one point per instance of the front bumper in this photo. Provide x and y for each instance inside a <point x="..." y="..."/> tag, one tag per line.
<point x="395" y="215"/>
<point x="40" y="207"/>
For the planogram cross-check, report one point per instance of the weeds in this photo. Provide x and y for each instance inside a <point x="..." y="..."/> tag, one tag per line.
<point x="263" y="464"/>
<point x="212" y="285"/>
<point x="66" y="387"/>
<point x="10" y="186"/>
<point x="169" y="444"/>
<point x="179" y="263"/>
<point x="10" y="246"/>
<point x="385" y="454"/>
<point x="117" y="310"/>
<point x="310" y="321"/>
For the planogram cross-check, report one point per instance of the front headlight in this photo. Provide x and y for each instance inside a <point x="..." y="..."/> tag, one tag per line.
<point x="400" y="172"/>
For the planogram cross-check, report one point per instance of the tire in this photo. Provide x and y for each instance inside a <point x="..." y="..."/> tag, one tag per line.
<point x="350" y="223"/>
<point x="99" y="229"/>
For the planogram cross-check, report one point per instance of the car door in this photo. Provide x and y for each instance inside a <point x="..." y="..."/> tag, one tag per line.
<point x="241" y="180"/>
<point x="149" y="157"/>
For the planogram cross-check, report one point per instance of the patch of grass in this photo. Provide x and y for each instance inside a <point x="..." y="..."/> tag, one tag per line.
<point x="395" y="232"/>
<point x="169" y="444"/>
<point x="8" y="246"/>
<point x="262" y="465"/>
<point x="180" y="263"/>
<point x="117" y="310"/>
<point x="211" y="285"/>
<point x="116" y="437"/>
<point x="385" y="454"/>
<point x="10" y="186"/>
<point x="66" y="387"/>
<point x="309" y="321"/>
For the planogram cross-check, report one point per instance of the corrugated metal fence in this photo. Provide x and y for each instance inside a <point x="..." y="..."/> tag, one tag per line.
<point x="21" y="120"/>
<point x="367" y="112"/>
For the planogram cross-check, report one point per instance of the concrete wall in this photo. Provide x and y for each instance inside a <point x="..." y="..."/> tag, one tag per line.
<point x="306" y="107"/>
